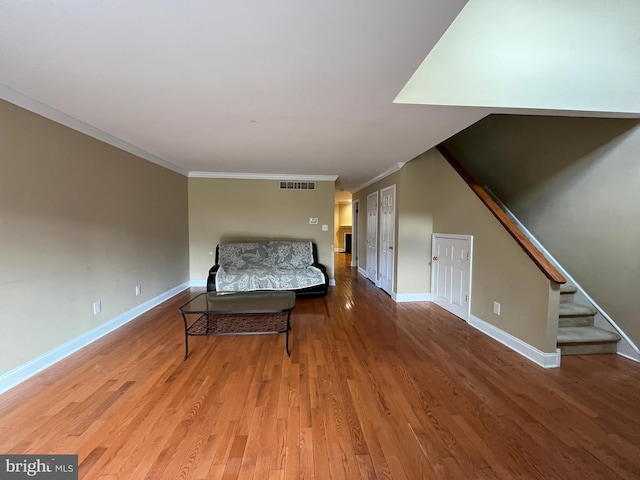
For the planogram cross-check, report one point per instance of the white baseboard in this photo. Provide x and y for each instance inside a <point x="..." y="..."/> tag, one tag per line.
<point x="44" y="361"/>
<point x="332" y="282"/>
<point x="628" y="353"/>
<point x="411" y="297"/>
<point x="362" y="272"/>
<point x="626" y="346"/>
<point x="545" y="360"/>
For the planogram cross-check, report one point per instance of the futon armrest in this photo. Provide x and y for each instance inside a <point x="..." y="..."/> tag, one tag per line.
<point x="211" y="279"/>
<point x="320" y="267"/>
<point x="323" y="269"/>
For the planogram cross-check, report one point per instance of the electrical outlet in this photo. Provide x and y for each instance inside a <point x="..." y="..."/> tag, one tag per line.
<point x="496" y="308"/>
<point x="97" y="307"/>
<point x="138" y="290"/>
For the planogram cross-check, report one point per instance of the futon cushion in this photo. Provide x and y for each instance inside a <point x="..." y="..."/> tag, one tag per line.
<point x="277" y="265"/>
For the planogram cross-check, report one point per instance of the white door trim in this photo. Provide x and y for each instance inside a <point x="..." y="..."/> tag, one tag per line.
<point x="355" y="226"/>
<point x="387" y="239"/>
<point x="372" y="237"/>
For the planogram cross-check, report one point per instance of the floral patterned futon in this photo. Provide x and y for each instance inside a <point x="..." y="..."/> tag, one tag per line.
<point x="277" y="265"/>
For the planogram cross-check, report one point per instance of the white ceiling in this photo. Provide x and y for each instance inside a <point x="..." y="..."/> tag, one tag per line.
<point x="567" y="57"/>
<point x="288" y="87"/>
<point x="280" y="87"/>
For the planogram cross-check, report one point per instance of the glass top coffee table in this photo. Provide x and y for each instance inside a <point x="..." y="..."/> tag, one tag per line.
<point x="236" y="313"/>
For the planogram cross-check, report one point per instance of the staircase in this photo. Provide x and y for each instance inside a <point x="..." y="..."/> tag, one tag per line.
<point x="576" y="333"/>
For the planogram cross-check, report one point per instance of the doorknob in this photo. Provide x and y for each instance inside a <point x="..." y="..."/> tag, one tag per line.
<point x="435" y="259"/>
<point x="390" y="248"/>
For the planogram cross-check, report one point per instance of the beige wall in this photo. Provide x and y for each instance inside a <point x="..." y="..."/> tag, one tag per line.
<point x="575" y="184"/>
<point x="415" y="226"/>
<point x="361" y="195"/>
<point x="342" y="224"/>
<point x="501" y="271"/>
<point x="432" y="198"/>
<point x="226" y="210"/>
<point x="80" y="221"/>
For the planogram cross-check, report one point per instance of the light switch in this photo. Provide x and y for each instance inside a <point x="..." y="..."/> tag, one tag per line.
<point x="313" y="220"/>
<point x="325" y="228"/>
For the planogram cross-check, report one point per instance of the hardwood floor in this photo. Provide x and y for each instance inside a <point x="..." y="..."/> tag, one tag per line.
<point x="373" y="390"/>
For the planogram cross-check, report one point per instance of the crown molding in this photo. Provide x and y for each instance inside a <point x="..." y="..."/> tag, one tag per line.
<point x="264" y="176"/>
<point x="57" y="116"/>
<point x="394" y="168"/>
<point x="28" y="103"/>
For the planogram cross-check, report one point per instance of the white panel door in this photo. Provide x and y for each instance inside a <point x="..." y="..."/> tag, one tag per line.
<point x="356" y="233"/>
<point x="372" y="237"/>
<point x="387" y="237"/>
<point x="451" y="273"/>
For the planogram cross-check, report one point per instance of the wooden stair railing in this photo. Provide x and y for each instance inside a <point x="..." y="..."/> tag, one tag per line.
<point x="538" y="258"/>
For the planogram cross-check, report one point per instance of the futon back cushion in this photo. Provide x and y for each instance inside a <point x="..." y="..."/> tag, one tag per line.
<point x="276" y="254"/>
<point x="242" y="255"/>
<point x="290" y="255"/>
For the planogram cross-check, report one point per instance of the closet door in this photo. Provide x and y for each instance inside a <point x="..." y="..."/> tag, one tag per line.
<point x="372" y="237"/>
<point x="387" y="237"/>
<point x="451" y="273"/>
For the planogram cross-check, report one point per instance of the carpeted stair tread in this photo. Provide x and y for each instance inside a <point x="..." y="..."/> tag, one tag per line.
<point x="574" y="335"/>
<point x="567" y="293"/>
<point x="576" y="310"/>
<point x="566" y="288"/>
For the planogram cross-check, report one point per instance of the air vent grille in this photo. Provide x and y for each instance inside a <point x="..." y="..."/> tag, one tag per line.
<point x="297" y="185"/>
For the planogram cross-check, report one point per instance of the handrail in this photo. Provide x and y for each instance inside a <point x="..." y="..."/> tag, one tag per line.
<point x="530" y="249"/>
<point x="625" y="338"/>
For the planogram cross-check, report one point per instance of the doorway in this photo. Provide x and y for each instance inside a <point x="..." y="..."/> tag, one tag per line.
<point x="451" y="273"/>
<point x="387" y="237"/>
<point x="355" y="229"/>
<point x="372" y="237"/>
<point x="347" y="243"/>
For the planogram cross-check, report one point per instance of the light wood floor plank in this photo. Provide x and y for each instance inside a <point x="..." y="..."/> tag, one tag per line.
<point x="373" y="390"/>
